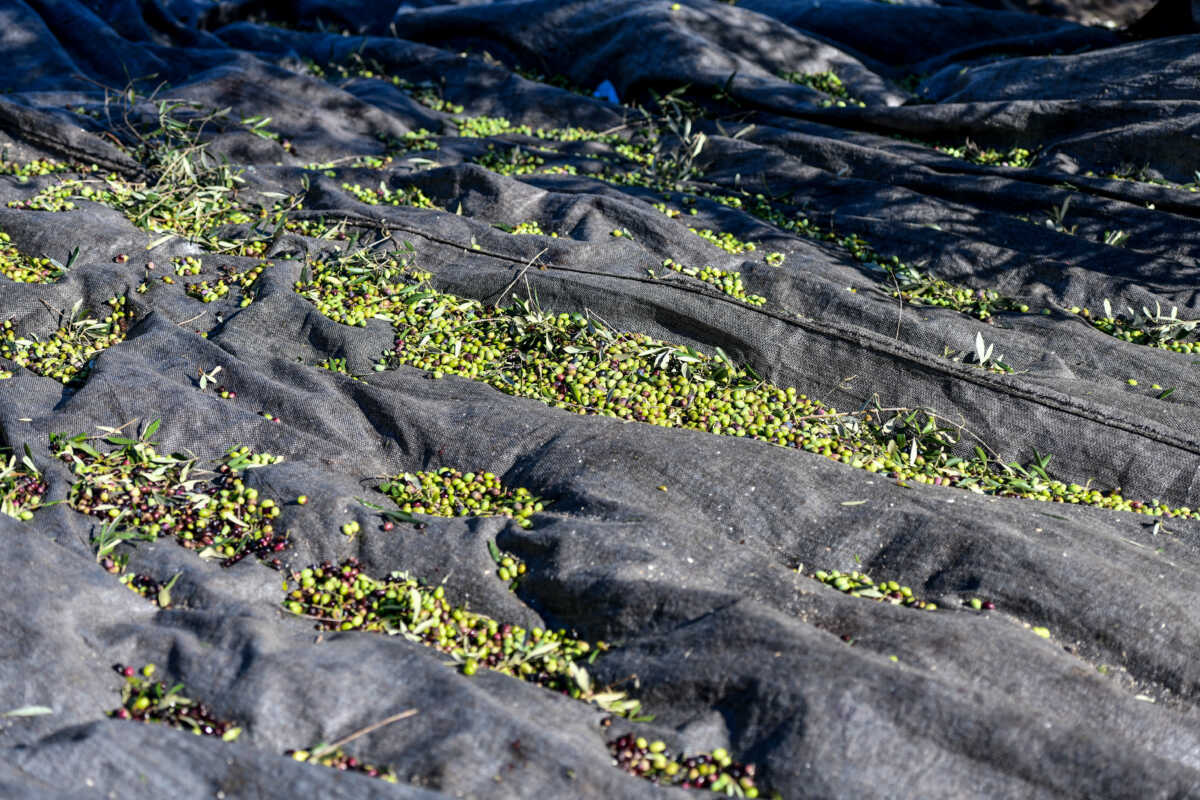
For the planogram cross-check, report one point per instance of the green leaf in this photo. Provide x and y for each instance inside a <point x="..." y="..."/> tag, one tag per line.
<point x="88" y="449"/>
<point x="394" y="516"/>
<point x="541" y="649"/>
<point x="151" y="429"/>
<point x="28" y="711"/>
<point x="27" y="460"/>
<point x="164" y="594"/>
<point x="580" y="676"/>
<point x="494" y="550"/>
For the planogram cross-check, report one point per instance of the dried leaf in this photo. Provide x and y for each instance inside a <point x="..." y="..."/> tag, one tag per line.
<point x="28" y="711"/>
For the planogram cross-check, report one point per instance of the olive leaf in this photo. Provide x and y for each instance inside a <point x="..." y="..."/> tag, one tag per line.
<point x="386" y="513"/>
<point x="28" y="711"/>
<point x="164" y="594"/>
<point x="983" y="351"/>
<point x="208" y="377"/>
<point x="580" y="677"/>
<point x="27" y="460"/>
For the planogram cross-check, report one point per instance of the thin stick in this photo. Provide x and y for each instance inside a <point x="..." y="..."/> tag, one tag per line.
<point x="59" y="311"/>
<point x="364" y="731"/>
<point x="603" y="321"/>
<point x="192" y="319"/>
<point x="631" y="124"/>
<point x="520" y="274"/>
<point x="900" y="301"/>
<point x="118" y="430"/>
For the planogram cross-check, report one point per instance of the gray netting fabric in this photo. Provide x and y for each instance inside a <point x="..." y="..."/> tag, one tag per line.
<point x="966" y="236"/>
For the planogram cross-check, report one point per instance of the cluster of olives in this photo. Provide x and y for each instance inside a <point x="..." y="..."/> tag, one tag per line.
<point x="728" y="282"/>
<point x="386" y="196"/>
<point x="826" y="82"/>
<point x="923" y="290"/>
<point x="1165" y="333"/>
<point x="187" y="265"/>
<point x="21" y="488"/>
<point x="448" y="492"/>
<point x="210" y="291"/>
<point x="425" y="93"/>
<point x="67" y="355"/>
<point x="146" y="700"/>
<point x="715" y="771"/>
<point x="511" y="161"/>
<point x="509" y="568"/>
<point x="914" y="287"/>
<point x="177" y="204"/>
<point x="58" y="197"/>
<point x="352" y="298"/>
<point x="336" y="758"/>
<point x="724" y="240"/>
<point x="527" y="228"/>
<point x="145" y="585"/>
<point x="160" y="495"/>
<point x="21" y="268"/>
<point x="859" y="584"/>
<point x="989" y="157"/>
<point x="24" y="170"/>
<point x="345" y="598"/>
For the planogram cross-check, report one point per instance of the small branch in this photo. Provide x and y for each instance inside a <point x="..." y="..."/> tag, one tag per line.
<point x="900" y="302"/>
<point x="364" y="731"/>
<point x="520" y="274"/>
